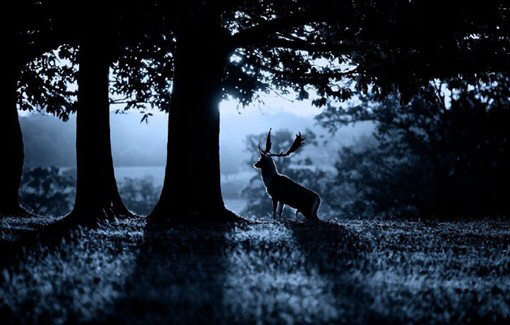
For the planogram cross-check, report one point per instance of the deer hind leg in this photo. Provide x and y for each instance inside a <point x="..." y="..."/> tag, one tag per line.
<point x="275" y="204"/>
<point x="280" y="210"/>
<point x="315" y="209"/>
<point x="311" y="213"/>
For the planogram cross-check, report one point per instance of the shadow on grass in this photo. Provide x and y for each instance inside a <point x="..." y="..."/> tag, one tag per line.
<point x="179" y="276"/>
<point x="64" y="273"/>
<point x="338" y="255"/>
<point x="18" y="234"/>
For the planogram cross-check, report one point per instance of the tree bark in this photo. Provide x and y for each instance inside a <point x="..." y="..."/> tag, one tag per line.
<point x="191" y="189"/>
<point x="97" y="195"/>
<point x="11" y="144"/>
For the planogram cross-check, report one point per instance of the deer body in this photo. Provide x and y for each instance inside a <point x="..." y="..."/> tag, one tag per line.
<point x="282" y="189"/>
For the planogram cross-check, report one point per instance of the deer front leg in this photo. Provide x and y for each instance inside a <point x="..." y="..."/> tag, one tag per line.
<point x="280" y="210"/>
<point x="275" y="204"/>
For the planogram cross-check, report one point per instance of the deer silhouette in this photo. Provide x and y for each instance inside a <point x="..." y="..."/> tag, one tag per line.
<point x="282" y="189"/>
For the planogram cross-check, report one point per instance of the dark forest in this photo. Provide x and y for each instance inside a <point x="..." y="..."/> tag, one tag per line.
<point x="388" y="205"/>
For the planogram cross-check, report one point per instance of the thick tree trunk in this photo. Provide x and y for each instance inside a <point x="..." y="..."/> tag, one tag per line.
<point x="97" y="195"/>
<point x="191" y="189"/>
<point x="11" y="144"/>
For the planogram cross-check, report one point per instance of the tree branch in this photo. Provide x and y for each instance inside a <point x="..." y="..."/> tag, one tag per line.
<point x="307" y="76"/>
<point x="252" y="35"/>
<point x="304" y="45"/>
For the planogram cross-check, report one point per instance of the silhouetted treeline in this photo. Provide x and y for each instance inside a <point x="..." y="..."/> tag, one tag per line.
<point x="426" y="159"/>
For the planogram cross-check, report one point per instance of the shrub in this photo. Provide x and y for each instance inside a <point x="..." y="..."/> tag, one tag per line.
<point x="48" y="191"/>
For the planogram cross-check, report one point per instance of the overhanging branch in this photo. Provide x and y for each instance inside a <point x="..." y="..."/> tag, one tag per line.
<point x="252" y="35"/>
<point x="304" y="45"/>
<point x="307" y="77"/>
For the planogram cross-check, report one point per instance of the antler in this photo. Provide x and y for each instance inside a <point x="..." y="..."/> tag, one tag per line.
<point x="268" y="144"/>
<point x="298" y="142"/>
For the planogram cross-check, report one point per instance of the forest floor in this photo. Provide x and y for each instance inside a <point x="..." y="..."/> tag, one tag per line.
<point x="352" y="271"/>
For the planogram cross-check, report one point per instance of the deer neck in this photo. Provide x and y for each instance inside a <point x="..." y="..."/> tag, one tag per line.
<point x="269" y="172"/>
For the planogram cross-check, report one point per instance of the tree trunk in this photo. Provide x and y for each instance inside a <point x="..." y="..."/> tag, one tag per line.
<point x="97" y="195"/>
<point x="11" y="144"/>
<point x="191" y="189"/>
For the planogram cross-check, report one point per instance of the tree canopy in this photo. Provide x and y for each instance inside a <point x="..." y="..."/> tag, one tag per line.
<point x="381" y="47"/>
<point x="326" y="49"/>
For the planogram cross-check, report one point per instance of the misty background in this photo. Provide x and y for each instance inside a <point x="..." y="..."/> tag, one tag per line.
<point x="139" y="148"/>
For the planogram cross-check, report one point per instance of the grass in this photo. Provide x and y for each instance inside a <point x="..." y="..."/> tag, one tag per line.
<point x="353" y="271"/>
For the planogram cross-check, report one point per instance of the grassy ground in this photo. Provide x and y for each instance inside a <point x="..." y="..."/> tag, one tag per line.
<point x="341" y="271"/>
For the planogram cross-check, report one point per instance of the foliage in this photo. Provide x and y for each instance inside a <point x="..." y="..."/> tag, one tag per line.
<point x="320" y="46"/>
<point x="46" y="81"/>
<point x="47" y="40"/>
<point x="38" y="52"/>
<point x="426" y="159"/>
<point x="298" y="167"/>
<point x="139" y="195"/>
<point x="325" y="47"/>
<point x="143" y="65"/>
<point x="47" y="191"/>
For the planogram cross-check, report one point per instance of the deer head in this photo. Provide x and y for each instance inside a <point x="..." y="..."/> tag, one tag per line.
<point x="266" y="154"/>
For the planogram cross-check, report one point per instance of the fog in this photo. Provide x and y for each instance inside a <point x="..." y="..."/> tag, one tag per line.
<point x="139" y="148"/>
<point x="51" y="142"/>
